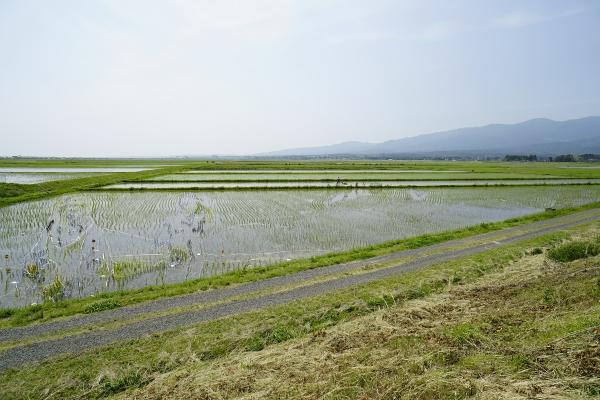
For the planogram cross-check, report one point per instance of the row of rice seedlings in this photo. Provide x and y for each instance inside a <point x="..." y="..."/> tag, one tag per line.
<point x="166" y="185"/>
<point x="238" y="229"/>
<point x="344" y="175"/>
<point x="127" y="269"/>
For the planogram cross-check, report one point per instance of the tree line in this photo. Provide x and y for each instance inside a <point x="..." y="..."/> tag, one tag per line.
<point x="558" y="158"/>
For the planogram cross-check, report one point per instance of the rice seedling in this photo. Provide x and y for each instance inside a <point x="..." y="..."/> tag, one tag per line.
<point x="178" y="254"/>
<point x="54" y="291"/>
<point x="121" y="271"/>
<point x="32" y="271"/>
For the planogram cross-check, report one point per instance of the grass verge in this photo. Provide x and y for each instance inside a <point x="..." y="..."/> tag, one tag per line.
<point x="217" y="188"/>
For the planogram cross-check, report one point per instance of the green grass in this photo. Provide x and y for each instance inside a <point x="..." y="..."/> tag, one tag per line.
<point x="575" y="250"/>
<point x="50" y="310"/>
<point x="33" y="162"/>
<point x="101" y="305"/>
<point x="465" y="344"/>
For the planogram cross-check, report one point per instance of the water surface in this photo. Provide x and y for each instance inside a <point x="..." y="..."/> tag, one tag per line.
<point x="101" y="241"/>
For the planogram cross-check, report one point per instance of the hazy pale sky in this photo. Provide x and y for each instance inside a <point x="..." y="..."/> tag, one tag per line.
<point x="159" y="78"/>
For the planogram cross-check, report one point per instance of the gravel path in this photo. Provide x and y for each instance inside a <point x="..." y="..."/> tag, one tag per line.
<point x="77" y="343"/>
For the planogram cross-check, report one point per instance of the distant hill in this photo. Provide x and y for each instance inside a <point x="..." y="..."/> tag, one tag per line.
<point x="539" y="136"/>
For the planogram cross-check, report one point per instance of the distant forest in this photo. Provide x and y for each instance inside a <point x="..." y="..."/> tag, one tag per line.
<point x="559" y="158"/>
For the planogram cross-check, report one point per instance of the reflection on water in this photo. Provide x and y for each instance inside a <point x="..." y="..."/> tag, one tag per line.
<point x="110" y="240"/>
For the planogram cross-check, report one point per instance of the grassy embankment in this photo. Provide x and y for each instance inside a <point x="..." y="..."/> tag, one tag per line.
<point x="509" y="323"/>
<point x="540" y="168"/>
<point x="349" y="181"/>
<point x="559" y="169"/>
<point x="87" y="162"/>
<point x="217" y="188"/>
<point x="101" y="301"/>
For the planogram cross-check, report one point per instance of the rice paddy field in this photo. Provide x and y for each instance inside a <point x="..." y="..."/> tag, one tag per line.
<point x="82" y="227"/>
<point x="237" y="176"/>
<point x="100" y="241"/>
<point x="32" y="175"/>
<point x="31" y="178"/>
<point x="50" y="170"/>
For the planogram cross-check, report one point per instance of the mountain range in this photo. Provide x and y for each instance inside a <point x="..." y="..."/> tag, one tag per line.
<point x="540" y="136"/>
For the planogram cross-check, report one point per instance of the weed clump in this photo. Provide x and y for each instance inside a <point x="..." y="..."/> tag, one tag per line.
<point x="574" y="250"/>
<point x="102" y="305"/>
<point x="114" y="384"/>
<point x="536" y="251"/>
<point x="465" y="334"/>
<point x="384" y="301"/>
<point x="277" y="334"/>
<point x="26" y="315"/>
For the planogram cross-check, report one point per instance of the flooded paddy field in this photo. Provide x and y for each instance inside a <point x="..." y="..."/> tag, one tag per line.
<point x="199" y="185"/>
<point x="258" y="176"/>
<point x="31" y="178"/>
<point x="69" y="170"/>
<point x="84" y="243"/>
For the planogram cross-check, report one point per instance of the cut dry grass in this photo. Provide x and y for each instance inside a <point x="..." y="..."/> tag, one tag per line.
<point x="502" y="336"/>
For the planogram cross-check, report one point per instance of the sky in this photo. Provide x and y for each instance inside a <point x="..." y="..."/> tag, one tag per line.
<point x="144" y="78"/>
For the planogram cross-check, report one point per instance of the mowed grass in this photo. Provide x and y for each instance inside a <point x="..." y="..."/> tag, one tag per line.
<point x="64" y="308"/>
<point x="526" y="329"/>
<point x="499" y="336"/>
<point x="508" y="323"/>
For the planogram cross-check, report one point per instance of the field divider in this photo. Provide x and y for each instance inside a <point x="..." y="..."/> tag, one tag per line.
<point x="109" y="188"/>
<point x="347" y="181"/>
